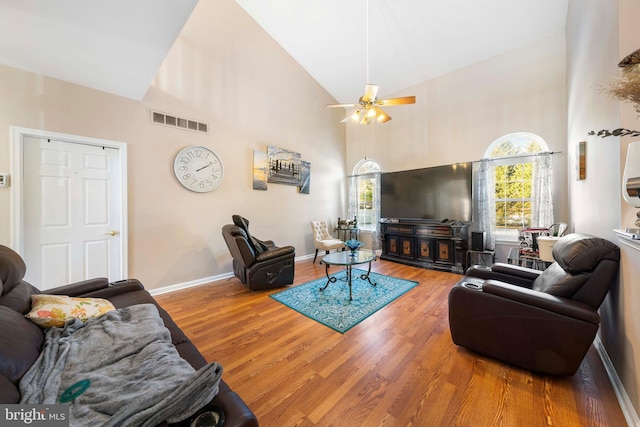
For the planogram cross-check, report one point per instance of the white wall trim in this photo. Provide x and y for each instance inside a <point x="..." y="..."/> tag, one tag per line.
<point x="204" y="281"/>
<point x="623" y="399"/>
<point x="190" y="284"/>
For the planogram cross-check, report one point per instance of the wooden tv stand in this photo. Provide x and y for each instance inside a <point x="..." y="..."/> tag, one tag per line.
<point x="434" y="245"/>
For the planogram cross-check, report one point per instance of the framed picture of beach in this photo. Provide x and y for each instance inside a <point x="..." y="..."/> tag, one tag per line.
<point x="283" y="166"/>
<point x="259" y="170"/>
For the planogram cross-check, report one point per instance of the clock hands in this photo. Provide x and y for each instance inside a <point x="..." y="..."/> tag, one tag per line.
<point x="205" y="166"/>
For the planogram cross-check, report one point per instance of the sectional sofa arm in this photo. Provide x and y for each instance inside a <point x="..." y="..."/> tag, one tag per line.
<point x="80" y="288"/>
<point x="544" y="301"/>
<point x="97" y="288"/>
<point x="275" y="253"/>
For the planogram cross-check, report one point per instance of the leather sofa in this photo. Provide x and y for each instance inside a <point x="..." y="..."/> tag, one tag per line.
<point x="543" y="321"/>
<point x="21" y="340"/>
<point x="258" y="264"/>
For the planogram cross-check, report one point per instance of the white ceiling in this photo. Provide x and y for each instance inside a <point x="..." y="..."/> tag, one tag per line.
<point x="118" y="45"/>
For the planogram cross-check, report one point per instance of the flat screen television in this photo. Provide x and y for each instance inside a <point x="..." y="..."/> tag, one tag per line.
<point x="435" y="193"/>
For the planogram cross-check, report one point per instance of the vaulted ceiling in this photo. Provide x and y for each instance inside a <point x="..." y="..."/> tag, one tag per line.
<point x="117" y="46"/>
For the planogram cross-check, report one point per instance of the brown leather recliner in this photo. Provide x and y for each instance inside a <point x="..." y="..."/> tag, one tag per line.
<point x="541" y="321"/>
<point x="258" y="264"/>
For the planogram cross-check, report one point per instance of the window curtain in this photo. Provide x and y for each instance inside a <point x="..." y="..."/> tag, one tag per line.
<point x="352" y="208"/>
<point x="486" y="201"/>
<point x="541" y="197"/>
<point x="375" y="232"/>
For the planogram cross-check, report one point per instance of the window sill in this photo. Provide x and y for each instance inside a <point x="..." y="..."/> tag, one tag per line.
<point x="507" y="241"/>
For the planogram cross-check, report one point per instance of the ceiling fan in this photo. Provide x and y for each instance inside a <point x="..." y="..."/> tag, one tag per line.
<point x="368" y="107"/>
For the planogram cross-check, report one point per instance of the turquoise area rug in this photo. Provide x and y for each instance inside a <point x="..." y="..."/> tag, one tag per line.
<point x="332" y="307"/>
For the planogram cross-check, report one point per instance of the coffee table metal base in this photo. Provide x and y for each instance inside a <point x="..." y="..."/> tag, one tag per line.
<point x="333" y="279"/>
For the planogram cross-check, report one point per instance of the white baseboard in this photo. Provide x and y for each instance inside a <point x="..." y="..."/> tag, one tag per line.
<point x="204" y="280"/>
<point x="623" y="399"/>
<point x="190" y="284"/>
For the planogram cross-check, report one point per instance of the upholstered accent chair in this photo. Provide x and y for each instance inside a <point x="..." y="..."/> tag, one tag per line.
<point x="543" y="321"/>
<point x="258" y="264"/>
<point x="322" y="240"/>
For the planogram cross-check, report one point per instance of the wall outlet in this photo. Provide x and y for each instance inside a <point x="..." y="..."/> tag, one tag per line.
<point x="4" y="180"/>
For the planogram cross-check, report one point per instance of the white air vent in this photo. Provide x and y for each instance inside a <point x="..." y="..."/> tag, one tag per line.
<point x="178" y="122"/>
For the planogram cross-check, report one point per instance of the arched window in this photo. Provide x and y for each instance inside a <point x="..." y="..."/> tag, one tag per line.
<point x="515" y="185"/>
<point x="364" y="194"/>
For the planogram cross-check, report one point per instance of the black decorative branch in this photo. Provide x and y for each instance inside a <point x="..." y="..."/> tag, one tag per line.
<point x="616" y="132"/>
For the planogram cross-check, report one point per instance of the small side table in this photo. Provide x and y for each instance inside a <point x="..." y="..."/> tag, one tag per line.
<point x="484" y="258"/>
<point x="350" y="232"/>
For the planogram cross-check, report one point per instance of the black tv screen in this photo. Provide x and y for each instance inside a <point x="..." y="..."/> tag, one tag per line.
<point x="436" y="193"/>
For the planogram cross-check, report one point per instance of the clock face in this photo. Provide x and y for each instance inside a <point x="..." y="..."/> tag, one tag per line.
<point x="198" y="169"/>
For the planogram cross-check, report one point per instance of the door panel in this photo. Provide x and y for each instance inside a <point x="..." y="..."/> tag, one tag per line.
<point x="54" y="262"/>
<point x="72" y="212"/>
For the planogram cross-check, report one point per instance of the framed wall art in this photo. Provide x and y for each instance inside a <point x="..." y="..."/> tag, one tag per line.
<point x="260" y="170"/>
<point x="581" y="160"/>
<point x="284" y="166"/>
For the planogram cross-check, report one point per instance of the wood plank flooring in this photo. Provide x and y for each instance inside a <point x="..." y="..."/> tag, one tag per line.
<point x="398" y="367"/>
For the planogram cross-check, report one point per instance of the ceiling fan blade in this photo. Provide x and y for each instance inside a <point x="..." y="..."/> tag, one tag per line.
<point x="397" y="101"/>
<point x="370" y="92"/>
<point x="342" y="105"/>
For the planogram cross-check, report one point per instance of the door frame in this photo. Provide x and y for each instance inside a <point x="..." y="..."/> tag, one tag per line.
<point x="17" y="135"/>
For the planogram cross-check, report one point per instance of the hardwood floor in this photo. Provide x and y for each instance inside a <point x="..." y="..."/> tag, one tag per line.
<point x="398" y="367"/>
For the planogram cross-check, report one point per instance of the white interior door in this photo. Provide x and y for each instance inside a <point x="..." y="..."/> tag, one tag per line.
<point x="71" y="213"/>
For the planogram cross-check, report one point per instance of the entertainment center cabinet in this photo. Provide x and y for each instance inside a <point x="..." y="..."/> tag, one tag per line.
<point x="434" y="245"/>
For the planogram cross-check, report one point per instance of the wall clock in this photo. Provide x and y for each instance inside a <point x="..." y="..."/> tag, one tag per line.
<point x="198" y="169"/>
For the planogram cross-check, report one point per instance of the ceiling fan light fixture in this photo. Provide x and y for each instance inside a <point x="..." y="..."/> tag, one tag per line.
<point x="369" y="103"/>
<point x="382" y="117"/>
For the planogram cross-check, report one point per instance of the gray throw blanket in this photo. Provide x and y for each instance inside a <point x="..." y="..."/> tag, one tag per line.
<point x="137" y="377"/>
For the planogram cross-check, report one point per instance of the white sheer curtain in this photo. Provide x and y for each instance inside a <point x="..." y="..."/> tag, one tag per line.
<point x="375" y="219"/>
<point x="352" y="210"/>
<point x="541" y="196"/>
<point x="486" y="201"/>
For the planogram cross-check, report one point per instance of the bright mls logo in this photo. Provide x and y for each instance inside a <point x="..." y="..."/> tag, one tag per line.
<point x="34" y="415"/>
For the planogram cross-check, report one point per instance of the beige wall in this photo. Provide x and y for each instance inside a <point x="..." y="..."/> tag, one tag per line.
<point x="599" y="34"/>
<point x="250" y="92"/>
<point x="456" y="117"/>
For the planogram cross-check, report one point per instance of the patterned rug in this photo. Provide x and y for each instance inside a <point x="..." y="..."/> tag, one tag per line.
<point x="332" y="307"/>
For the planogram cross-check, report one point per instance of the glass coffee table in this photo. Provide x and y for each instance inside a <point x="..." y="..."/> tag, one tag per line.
<point x="347" y="260"/>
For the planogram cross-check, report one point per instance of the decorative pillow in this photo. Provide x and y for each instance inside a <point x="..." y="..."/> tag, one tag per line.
<point x="55" y="310"/>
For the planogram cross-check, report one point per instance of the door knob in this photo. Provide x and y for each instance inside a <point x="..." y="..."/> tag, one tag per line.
<point x="112" y="233"/>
